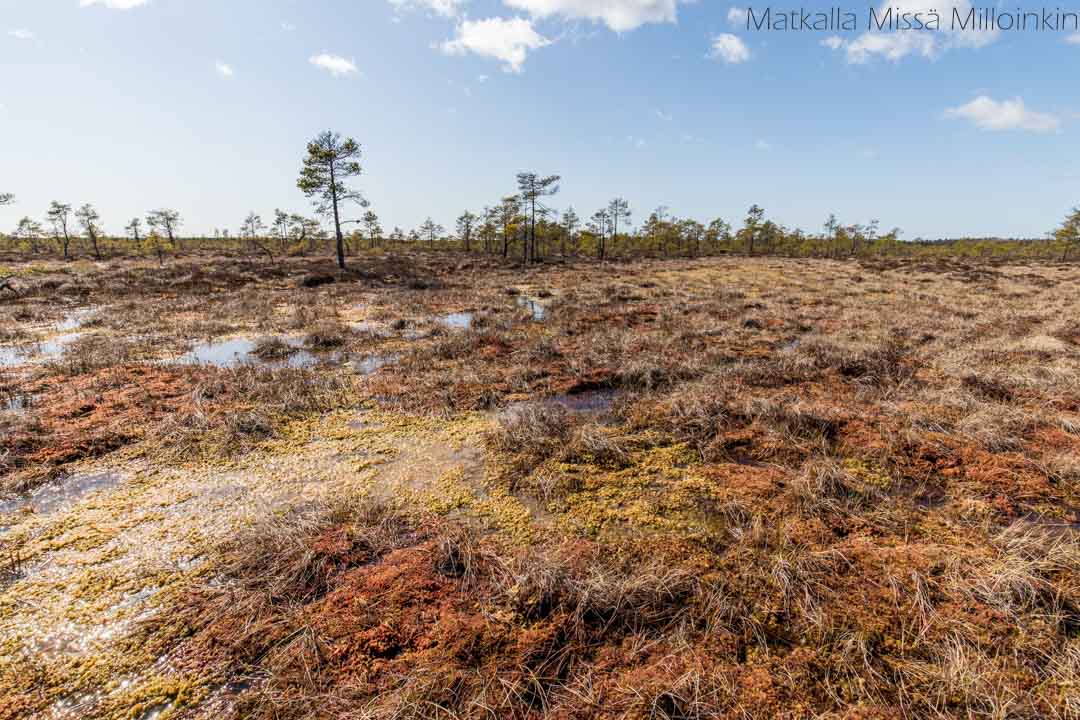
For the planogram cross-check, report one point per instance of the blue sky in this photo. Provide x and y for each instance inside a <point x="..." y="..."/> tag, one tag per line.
<point x="205" y="106"/>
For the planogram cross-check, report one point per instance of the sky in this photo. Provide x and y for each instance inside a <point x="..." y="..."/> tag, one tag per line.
<point x="206" y="106"/>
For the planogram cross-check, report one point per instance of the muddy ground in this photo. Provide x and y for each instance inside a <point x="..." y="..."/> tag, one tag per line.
<point x="437" y="487"/>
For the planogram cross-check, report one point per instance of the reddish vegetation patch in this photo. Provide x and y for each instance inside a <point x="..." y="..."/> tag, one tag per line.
<point x="405" y="630"/>
<point x="587" y="630"/>
<point x="1052" y="438"/>
<point x="89" y="415"/>
<point x="744" y="484"/>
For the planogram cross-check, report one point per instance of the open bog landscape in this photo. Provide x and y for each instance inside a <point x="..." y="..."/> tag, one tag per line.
<point x="436" y="486"/>
<point x="539" y="360"/>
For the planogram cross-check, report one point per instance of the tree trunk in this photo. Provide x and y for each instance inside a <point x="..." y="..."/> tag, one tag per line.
<point x="337" y="220"/>
<point x="532" y="232"/>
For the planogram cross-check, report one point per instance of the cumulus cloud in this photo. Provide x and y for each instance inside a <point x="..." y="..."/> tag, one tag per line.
<point x="989" y="114"/>
<point x="223" y="69"/>
<point x="334" y="64"/>
<point x="446" y="8"/>
<point x="618" y="15"/>
<point x="114" y="4"/>
<point x="891" y="46"/>
<point x="21" y="34"/>
<point x="729" y="49"/>
<point x="833" y="42"/>
<point x="896" y="46"/>
<point x="509" y="40"/>
<point x="737" y="16"/>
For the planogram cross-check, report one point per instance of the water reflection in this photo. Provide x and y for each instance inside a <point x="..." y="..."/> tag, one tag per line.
<point x="60" y="494"/>
<point x="539" y="312"/>
<point x="458" y="320"/>
<point x="232" y="352"/>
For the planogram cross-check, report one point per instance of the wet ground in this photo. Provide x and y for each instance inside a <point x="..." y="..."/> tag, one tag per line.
<point x="38" y="352"/>
<point x="592" y="402"/>
<point x="458" y="320"/>
<point x="536" y="308"/>
<point x="57" y="337"/>
<point x="97" y="547"/>
<point x="18" y="402"/>
<point x="86" y="557"/>
<point x="230" y="352"/>
<point x="60" y="494"/>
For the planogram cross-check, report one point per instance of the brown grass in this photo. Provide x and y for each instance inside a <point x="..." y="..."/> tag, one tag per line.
<point x="825" y="489"/>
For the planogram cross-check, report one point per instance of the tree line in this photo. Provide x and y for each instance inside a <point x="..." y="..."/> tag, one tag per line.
<point x="520" y="226"/>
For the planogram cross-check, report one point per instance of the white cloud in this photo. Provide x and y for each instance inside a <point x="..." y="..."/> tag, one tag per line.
<point x="446" y="8"/>
<point x="729" y="48"/>
<point x="287" y="27"/>
<point x="891" y="46"/>
<point x="223" y="69"/>
<point x="1073" y="39"/>
<point x="737" y="16"/>
<point x="334" y="64"/>
<point x="989" y="114"/>
<point x="666" y="117"/>
<point x="508" y="40"/>
<point x="21" y="34"/>
<point x="763" y="146"/>
<point x="114" y="4"/>
<point x="896" y="46"/>
<point x="833" y="42"/>
<point x="618" y="15"/>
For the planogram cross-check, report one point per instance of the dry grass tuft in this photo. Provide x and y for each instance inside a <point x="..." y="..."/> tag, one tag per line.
<point x="327" y="335"/>
<point x="272" y="348"/>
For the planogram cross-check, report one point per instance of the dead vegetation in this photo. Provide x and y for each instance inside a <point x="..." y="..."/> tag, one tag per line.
<point x="363" y="612"/>
<point x="761" y="487"/>
<point x="80" y="413"/>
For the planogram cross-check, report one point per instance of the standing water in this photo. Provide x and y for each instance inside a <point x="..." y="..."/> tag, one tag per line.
<point x="231" y="352"/>
<point x="60" y="494"/>
<point x="458" y="320"/>
<point x="539" y="312"/>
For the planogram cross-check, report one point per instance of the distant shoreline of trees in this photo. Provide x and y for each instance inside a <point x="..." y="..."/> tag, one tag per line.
<point x="520" y="226"/>
<point x="295" y="235"/>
